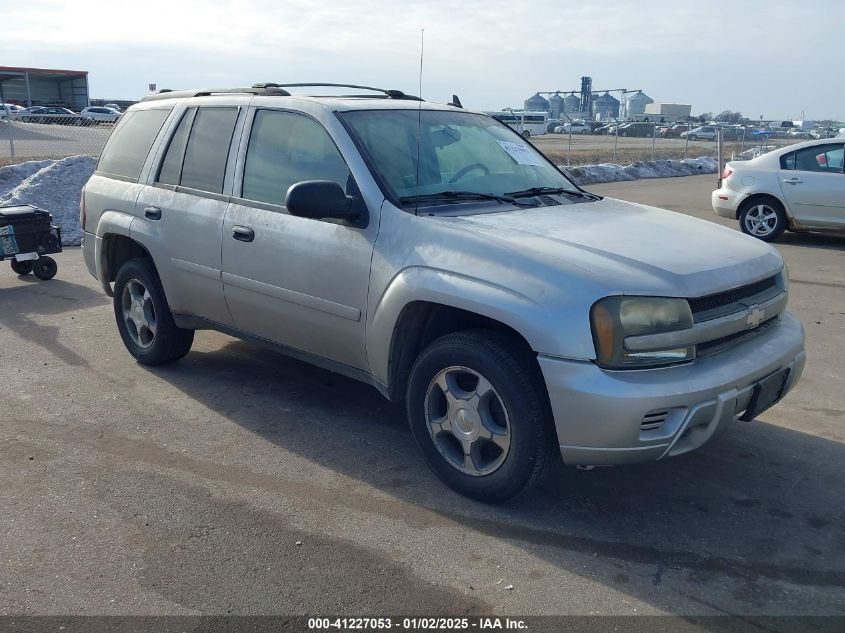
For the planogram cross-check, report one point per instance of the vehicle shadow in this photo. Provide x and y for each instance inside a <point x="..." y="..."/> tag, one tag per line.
<point x="730" y="527"/>
<point x="20" y="304"/>
<point x="829" y="241"/>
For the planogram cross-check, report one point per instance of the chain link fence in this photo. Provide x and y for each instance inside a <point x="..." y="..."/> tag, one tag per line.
<point x="46" y="135"/>
<point x="623" y="143"/>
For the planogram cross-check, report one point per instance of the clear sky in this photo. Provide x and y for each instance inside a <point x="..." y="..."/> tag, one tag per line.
<point x="762" y="57"/>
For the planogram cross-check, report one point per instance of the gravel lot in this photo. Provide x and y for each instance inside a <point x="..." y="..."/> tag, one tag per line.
<point x="239" y="481"/>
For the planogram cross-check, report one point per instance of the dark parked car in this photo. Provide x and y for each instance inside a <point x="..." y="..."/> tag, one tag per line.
<point x="674" y="131"/>
<point x="644" y="130"/>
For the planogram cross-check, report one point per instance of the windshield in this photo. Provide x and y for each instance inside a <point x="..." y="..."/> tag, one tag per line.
<point x="458" y="152"/>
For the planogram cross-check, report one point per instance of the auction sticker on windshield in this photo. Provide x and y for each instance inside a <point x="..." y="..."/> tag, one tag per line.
<point x="521" y="154"/>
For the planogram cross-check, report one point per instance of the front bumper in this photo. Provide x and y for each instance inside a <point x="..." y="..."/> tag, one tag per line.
<point x="599" y="414"/>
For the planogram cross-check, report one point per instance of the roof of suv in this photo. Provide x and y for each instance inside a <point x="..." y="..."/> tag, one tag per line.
<point x="382" y="100"/>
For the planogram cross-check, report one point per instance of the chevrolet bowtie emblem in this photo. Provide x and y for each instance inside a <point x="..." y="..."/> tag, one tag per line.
<point x="754" y="318"/>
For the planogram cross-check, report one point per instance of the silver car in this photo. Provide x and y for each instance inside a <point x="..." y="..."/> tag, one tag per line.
<point x="800" y="187"/>
<point x="434" y="254"/>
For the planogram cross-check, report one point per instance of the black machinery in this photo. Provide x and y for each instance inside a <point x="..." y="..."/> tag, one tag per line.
<point x="27" y="237"/>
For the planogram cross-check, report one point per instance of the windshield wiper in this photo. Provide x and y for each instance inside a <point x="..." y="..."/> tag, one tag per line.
<point x="462" y="195"/>
<point x="536" y="191"/>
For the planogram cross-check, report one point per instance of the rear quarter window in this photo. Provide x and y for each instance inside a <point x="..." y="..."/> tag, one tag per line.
<point x="127" y="149"/>
<point x="207" y="151"/>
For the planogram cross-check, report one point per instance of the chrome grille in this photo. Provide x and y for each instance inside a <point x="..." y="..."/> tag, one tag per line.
<point x="720" y="344"/>
<point x="730" y="301"/>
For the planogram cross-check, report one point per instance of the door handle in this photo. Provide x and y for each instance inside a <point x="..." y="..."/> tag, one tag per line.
<point x="243" y="233"/>
<point x="153" y="213"/>
<point x="792" y="181"/>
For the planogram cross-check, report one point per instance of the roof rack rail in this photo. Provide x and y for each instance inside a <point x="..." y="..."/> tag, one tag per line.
<point x="270" y="89"/>
<point x="258" y="89"/>
<point x="390" y="94"/>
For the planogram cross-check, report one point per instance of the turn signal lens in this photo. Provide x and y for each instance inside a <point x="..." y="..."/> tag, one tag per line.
<point x="603" y="326"/>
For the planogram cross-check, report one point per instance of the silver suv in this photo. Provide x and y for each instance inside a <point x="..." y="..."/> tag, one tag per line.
<point x="433" y="253"/>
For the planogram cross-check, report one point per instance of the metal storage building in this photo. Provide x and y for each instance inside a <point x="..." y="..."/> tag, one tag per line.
<point x="44" y="86"/>
<point x="669" y="111"/>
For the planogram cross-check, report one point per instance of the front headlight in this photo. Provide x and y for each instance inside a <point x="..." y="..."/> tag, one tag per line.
<point x="615" y="318"/>
<point x="784" y="278"/>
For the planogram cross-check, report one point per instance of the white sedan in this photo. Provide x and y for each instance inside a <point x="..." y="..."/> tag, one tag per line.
<point x="797" y="188"/>
<point x="575" y="128"/>
<point x="10" y="110"/>
<point x="101" y="114"/>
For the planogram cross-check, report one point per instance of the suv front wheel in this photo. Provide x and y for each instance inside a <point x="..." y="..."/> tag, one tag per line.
<point x="143" y="316"/>
<point x="479" y="414"/>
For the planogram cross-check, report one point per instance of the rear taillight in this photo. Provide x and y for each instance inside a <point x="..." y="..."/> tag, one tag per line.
<point x="727" y="172"/>
<point x="82" y="209"/>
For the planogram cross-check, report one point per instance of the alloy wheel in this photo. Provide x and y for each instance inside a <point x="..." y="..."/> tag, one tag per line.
<point x="467" y="420"/>
<point x="139" y="313"/>
<point x="761" y="220"/>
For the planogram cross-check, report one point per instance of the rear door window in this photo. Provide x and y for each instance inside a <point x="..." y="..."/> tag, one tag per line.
<point x="127" y="149"/>
<point x="820" y="158"/>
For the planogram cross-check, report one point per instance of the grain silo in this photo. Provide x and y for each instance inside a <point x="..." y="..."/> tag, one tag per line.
<point x="537" y="103"/>
<point x="556" y="106"/>
<point x="572" y="104"/>
<point x="635" y="104"/>
<point x="605" y="107"/>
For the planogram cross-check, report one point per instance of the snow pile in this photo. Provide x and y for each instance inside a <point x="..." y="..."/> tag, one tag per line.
<point x="608" y="172"/>
<point x="55" y="187"/>
<point x="12" y="175"/>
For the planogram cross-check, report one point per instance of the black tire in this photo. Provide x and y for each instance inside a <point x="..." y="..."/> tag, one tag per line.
<point x="768" y="231"/>
<point x="514" y="375"/>
<point x="45" y="268"/>
<point x="526" y="133"/>
<point x="169" y="343"/>
<point x="693" y="137"/>
<point x="22" y="268"/>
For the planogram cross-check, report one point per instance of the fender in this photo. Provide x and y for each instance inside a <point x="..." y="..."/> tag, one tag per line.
<point x="110" y="223"/>
<point x="419" y="283"/>
<point x="137" y="229"/>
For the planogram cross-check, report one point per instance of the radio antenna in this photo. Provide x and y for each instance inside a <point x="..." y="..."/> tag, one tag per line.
<point x="419" y="110"/>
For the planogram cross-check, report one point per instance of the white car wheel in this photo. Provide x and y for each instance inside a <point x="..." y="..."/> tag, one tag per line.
<point x="763" y="219"/>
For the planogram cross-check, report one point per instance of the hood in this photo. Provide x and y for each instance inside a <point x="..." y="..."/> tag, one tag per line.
<point x="629" y="248"/>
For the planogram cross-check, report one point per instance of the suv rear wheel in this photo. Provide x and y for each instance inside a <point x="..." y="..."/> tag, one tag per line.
<point x="143" y="316"/>
<point x="477" y="409"/>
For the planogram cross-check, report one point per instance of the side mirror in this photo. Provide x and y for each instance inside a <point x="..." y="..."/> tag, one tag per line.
<point x="320" y="199"/>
